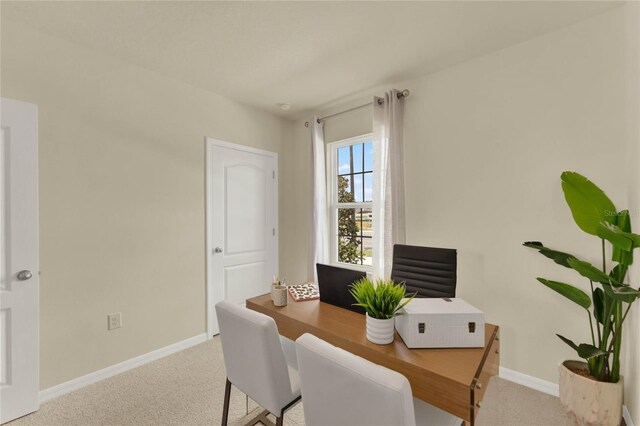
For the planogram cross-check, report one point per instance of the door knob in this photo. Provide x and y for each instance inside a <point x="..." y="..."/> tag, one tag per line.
<point x="24" y="275"/>
<point x="217" y="250"/>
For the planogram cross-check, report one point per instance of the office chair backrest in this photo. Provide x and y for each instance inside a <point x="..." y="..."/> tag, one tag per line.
<point x="340" y="388"/>
<point x="253" y="356"/>
<point x="333" y="284"/>
<point x="429" y="271"/>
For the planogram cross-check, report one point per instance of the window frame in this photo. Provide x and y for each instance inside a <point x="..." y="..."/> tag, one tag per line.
<point x="332" y="197"/>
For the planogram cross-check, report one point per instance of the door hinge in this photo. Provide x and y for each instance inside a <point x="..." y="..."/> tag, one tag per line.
<point x="274" y="232"/>
<point x="274" y="174"/>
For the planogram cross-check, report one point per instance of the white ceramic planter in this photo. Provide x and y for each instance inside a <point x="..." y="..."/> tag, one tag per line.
<point x="380" y="331"/>
<point x="587" y="401"/>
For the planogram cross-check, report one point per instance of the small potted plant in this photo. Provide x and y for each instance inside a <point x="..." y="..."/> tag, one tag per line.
<point x="591" y="391"/>
<point x="382" y="302"/>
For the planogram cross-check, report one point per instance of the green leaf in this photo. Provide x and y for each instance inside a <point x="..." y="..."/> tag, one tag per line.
<point x="587" y="351"/>
<point x="623" y="221"/>
<point x="598" y="305"/>
<point x="568" y="342"/>
<point x="558" y="257"/>
<point x="615" y="236"/>
<point x="533" y="244"/>
<point x="621" y="296"/>
<point x="381" y="299"/>
<point x="618" y="237"/>
<point x="618" y="274"/>
<point x="584" y="350"/>
<point x="589" y="204"/>
<point x="570" y="292"/>
<point x="623" y="257"/>
<point x="626" y="290"/>
<point x="589" y="271"/>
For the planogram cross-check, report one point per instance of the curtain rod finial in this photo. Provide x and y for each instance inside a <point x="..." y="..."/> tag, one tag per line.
<point x="405" y="93"/>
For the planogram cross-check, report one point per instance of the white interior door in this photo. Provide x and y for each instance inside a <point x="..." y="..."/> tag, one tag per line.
<point x="18" y="259"/>
<point x="242" y="215"/>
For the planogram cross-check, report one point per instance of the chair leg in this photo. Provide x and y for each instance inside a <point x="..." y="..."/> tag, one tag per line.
<point x="227" y="399"/>
<point x="280" y="420"/>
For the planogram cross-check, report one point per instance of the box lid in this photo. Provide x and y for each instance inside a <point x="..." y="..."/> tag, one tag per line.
<point x="453" y="305"/>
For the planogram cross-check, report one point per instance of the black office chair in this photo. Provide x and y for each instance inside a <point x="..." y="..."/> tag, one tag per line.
<point x="333" y="284"/>
<point x="427" y="271"/>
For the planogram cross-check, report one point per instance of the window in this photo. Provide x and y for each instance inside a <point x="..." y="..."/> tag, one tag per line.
<point x="350" y="174"/>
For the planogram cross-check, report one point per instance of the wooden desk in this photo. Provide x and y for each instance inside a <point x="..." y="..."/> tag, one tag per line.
<point x="451" y="379"/>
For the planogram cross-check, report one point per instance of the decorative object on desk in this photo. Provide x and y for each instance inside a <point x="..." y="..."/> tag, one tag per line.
<point x="303" y="292"/>
<point x="279" y="294"/>
<point x="591" y="391"/>
<point x="441" y="322"/>
<point x="381" y="301"/>
<point x="274" y="283"/>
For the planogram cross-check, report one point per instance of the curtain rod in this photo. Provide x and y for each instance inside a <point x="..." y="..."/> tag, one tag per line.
<point x="403" y="94"/>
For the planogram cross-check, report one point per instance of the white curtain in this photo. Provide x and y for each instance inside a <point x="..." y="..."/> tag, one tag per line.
<point x="388" y="184"/>
<point x="319" y="238"/>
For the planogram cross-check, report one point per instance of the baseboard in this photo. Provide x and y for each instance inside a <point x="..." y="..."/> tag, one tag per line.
<point x="546" y="387"/>
<point x="627" y="416"/>
<point x="88" y="379"/>
<point x="529" y="381"/>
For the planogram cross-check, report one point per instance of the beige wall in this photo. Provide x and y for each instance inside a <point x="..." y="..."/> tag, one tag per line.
<point x="121" y="198"/>
<point x="345" y="126"/>
<point x="485" y="143"/>
<point x="632" y="330"/>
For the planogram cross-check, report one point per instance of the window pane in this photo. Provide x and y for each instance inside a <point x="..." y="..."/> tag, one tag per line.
<point x="368" y="186"/>
<point x="345" y="189"/>
<point x="358" y="185"/>
<point x="344" y="160"/>
<point x="350" y="250"/>
<point x="357" y="157"/>
<point x="349" y="244"/>
<point x="368" y="156"/>
<point x="366" y="235"/>
<point x="348" y="224"/>
<point x="355" y="236"/>
<point x="366" y="225"/>
<point x="367" y="251"/>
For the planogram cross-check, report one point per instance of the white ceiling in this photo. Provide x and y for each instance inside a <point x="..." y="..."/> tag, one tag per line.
<point x="308" y="54"/>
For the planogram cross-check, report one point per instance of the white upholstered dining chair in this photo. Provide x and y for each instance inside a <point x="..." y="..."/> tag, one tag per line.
<point x="340" y="388"/>
<point x="255" y="360"/>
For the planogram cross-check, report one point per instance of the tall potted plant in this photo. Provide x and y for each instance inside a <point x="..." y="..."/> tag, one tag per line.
<point x="381" y="300"/>
<point x="591" y="390"/>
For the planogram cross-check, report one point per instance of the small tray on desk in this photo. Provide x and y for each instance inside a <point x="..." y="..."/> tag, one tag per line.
<point x="304" y="292"/>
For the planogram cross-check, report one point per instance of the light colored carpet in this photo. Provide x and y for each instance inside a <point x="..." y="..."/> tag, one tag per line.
<point x="188" y="388"/>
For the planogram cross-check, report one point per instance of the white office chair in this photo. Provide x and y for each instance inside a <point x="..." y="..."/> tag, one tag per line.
<point x="340" y="388"/>
<point x="255" y="360"/>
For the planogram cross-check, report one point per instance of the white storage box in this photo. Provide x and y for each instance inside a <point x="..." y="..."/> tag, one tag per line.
<point x="441" y="323"/>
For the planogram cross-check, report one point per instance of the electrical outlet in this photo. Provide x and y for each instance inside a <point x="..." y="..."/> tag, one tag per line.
<point x="114" y="321"/>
